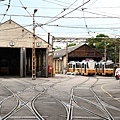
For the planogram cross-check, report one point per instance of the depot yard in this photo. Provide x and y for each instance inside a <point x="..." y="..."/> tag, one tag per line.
<point x="61" y="97"/>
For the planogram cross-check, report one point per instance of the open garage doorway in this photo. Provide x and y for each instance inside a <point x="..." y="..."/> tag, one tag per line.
<point x="41" y="62"/>
<point x="9" y="61"/>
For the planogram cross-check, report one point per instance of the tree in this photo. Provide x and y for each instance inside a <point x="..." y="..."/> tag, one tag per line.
<point x="72" y="44"/>
<point x="102" y="42"/>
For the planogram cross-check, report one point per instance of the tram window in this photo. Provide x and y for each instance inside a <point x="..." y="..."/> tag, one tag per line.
<point x="70" y="65"/>
<point x="109" y="66"/>
<point x="100" y="65"/>
<point x="77" y="65"/>
<point x="83" y="65"/>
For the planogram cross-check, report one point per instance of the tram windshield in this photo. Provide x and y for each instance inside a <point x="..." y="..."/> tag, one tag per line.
<point x="91" y="65"/>
<point x="109" y="65"/>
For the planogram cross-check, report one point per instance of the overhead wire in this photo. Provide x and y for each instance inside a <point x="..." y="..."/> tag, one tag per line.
<point x="61" y="2"/>
<point x="8" y="6"/>
<point x="100" y="14"/>
<point x="62" y="11"/>
<point x="67" y="13"/>
<point x="104" y="16"/>
<point x="2" y="4"/>
<point x="84" y="27"/>
<point x="92" y="4"/>
<point x="63" y="17"/>
<point x="54" y="3"/>
<point x="31" y="15"/>
<point x="103" y="12"/>
<point x="88" y="31"/>
<point x="25" y="8"/>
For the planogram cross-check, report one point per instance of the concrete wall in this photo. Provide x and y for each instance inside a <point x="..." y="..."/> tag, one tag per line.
<point x="13" y="32"/>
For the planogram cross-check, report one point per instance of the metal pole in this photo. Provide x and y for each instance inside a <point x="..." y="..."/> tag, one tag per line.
<point x="105" y="53"/>
<point x="48" y="38"/>
<point x="53" y="69"/>
<point x="115" y="54"/>
<point x="119" y="56"/>
<point x="66" y="56"/>
<point x="33" y="50"/>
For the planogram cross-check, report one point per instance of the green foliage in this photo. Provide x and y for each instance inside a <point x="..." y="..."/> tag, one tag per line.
<point x="57" y="48"/>
<point x="101" y="41"/>
<point x="72" y="44"/>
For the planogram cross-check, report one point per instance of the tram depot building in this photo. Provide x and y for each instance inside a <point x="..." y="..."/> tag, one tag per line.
<point x="16" y="43"/>
<point x="75" y="53"/>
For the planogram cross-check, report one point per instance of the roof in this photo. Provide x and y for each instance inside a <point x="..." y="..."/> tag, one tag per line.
<point x="62" y="52"/>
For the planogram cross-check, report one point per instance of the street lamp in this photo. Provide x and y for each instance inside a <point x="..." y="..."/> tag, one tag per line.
<point x="33" y="50"/>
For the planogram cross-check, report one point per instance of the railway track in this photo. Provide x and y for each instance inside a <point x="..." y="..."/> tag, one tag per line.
<point x="30" y="104"/>
<point x="99" y="104"/>
<point x="70" y="98"/>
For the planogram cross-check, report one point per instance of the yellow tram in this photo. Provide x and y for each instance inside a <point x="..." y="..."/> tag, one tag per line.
<point x="105" y="68"/>
<point x="85" y="67"/>
<point x="88" y="67"/>
<point x="74" y="67"/>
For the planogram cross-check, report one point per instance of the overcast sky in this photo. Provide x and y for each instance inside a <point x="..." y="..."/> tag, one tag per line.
<point x="73" y="18"/>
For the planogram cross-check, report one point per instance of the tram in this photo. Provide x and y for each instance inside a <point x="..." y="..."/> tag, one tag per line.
<point x="85" y="67"/>
<point x="105" y="68"/>
<point x="88" y="67"/>
<point x="74" y="67"/>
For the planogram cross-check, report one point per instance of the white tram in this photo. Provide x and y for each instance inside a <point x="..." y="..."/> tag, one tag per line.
<point x="105" y="68"/>
<point x="73" y="67"/>
<point x="88" y="67"/>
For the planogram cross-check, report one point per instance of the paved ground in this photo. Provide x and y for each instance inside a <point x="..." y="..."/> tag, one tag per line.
<point x="63" y="97"/>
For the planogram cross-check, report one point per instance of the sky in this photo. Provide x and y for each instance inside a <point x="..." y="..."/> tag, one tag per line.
<point x="65" y="18"/>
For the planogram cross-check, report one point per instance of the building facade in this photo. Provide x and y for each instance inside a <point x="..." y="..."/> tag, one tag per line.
<point x="76" y="53"/>
<point x="16" y="45"/>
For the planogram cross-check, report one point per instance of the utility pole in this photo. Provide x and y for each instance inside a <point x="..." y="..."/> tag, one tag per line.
<point x="33" y="50"/>
<point x="105" y="52"/>
<point x="115" y="54"/>
<point x="119" y="56"/>
<point x="66" y="56"/>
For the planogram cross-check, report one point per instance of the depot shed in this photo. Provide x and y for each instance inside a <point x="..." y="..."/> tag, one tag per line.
<point x="75" y="53"/>
<point x="16" y="43"/>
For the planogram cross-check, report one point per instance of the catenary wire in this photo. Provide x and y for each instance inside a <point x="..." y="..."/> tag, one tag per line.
<point x="63" y="11"/>
<point x="8" y="6"/>
<point x="67" y="13"/>
<point x="30" y="14"/>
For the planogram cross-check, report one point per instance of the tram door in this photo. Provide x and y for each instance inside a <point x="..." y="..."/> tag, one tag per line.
<point x="103" y="69"/>
<point x="85" y="68"/>
<point x="73" y="67"/>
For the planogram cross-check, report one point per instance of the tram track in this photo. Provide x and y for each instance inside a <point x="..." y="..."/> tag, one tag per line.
<point x="20" y="103"/>
<point x="44" y="90"/>
<point x="29" y="104"/>
<point x="72" y="101"/>
<point x="99" y="104"/>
